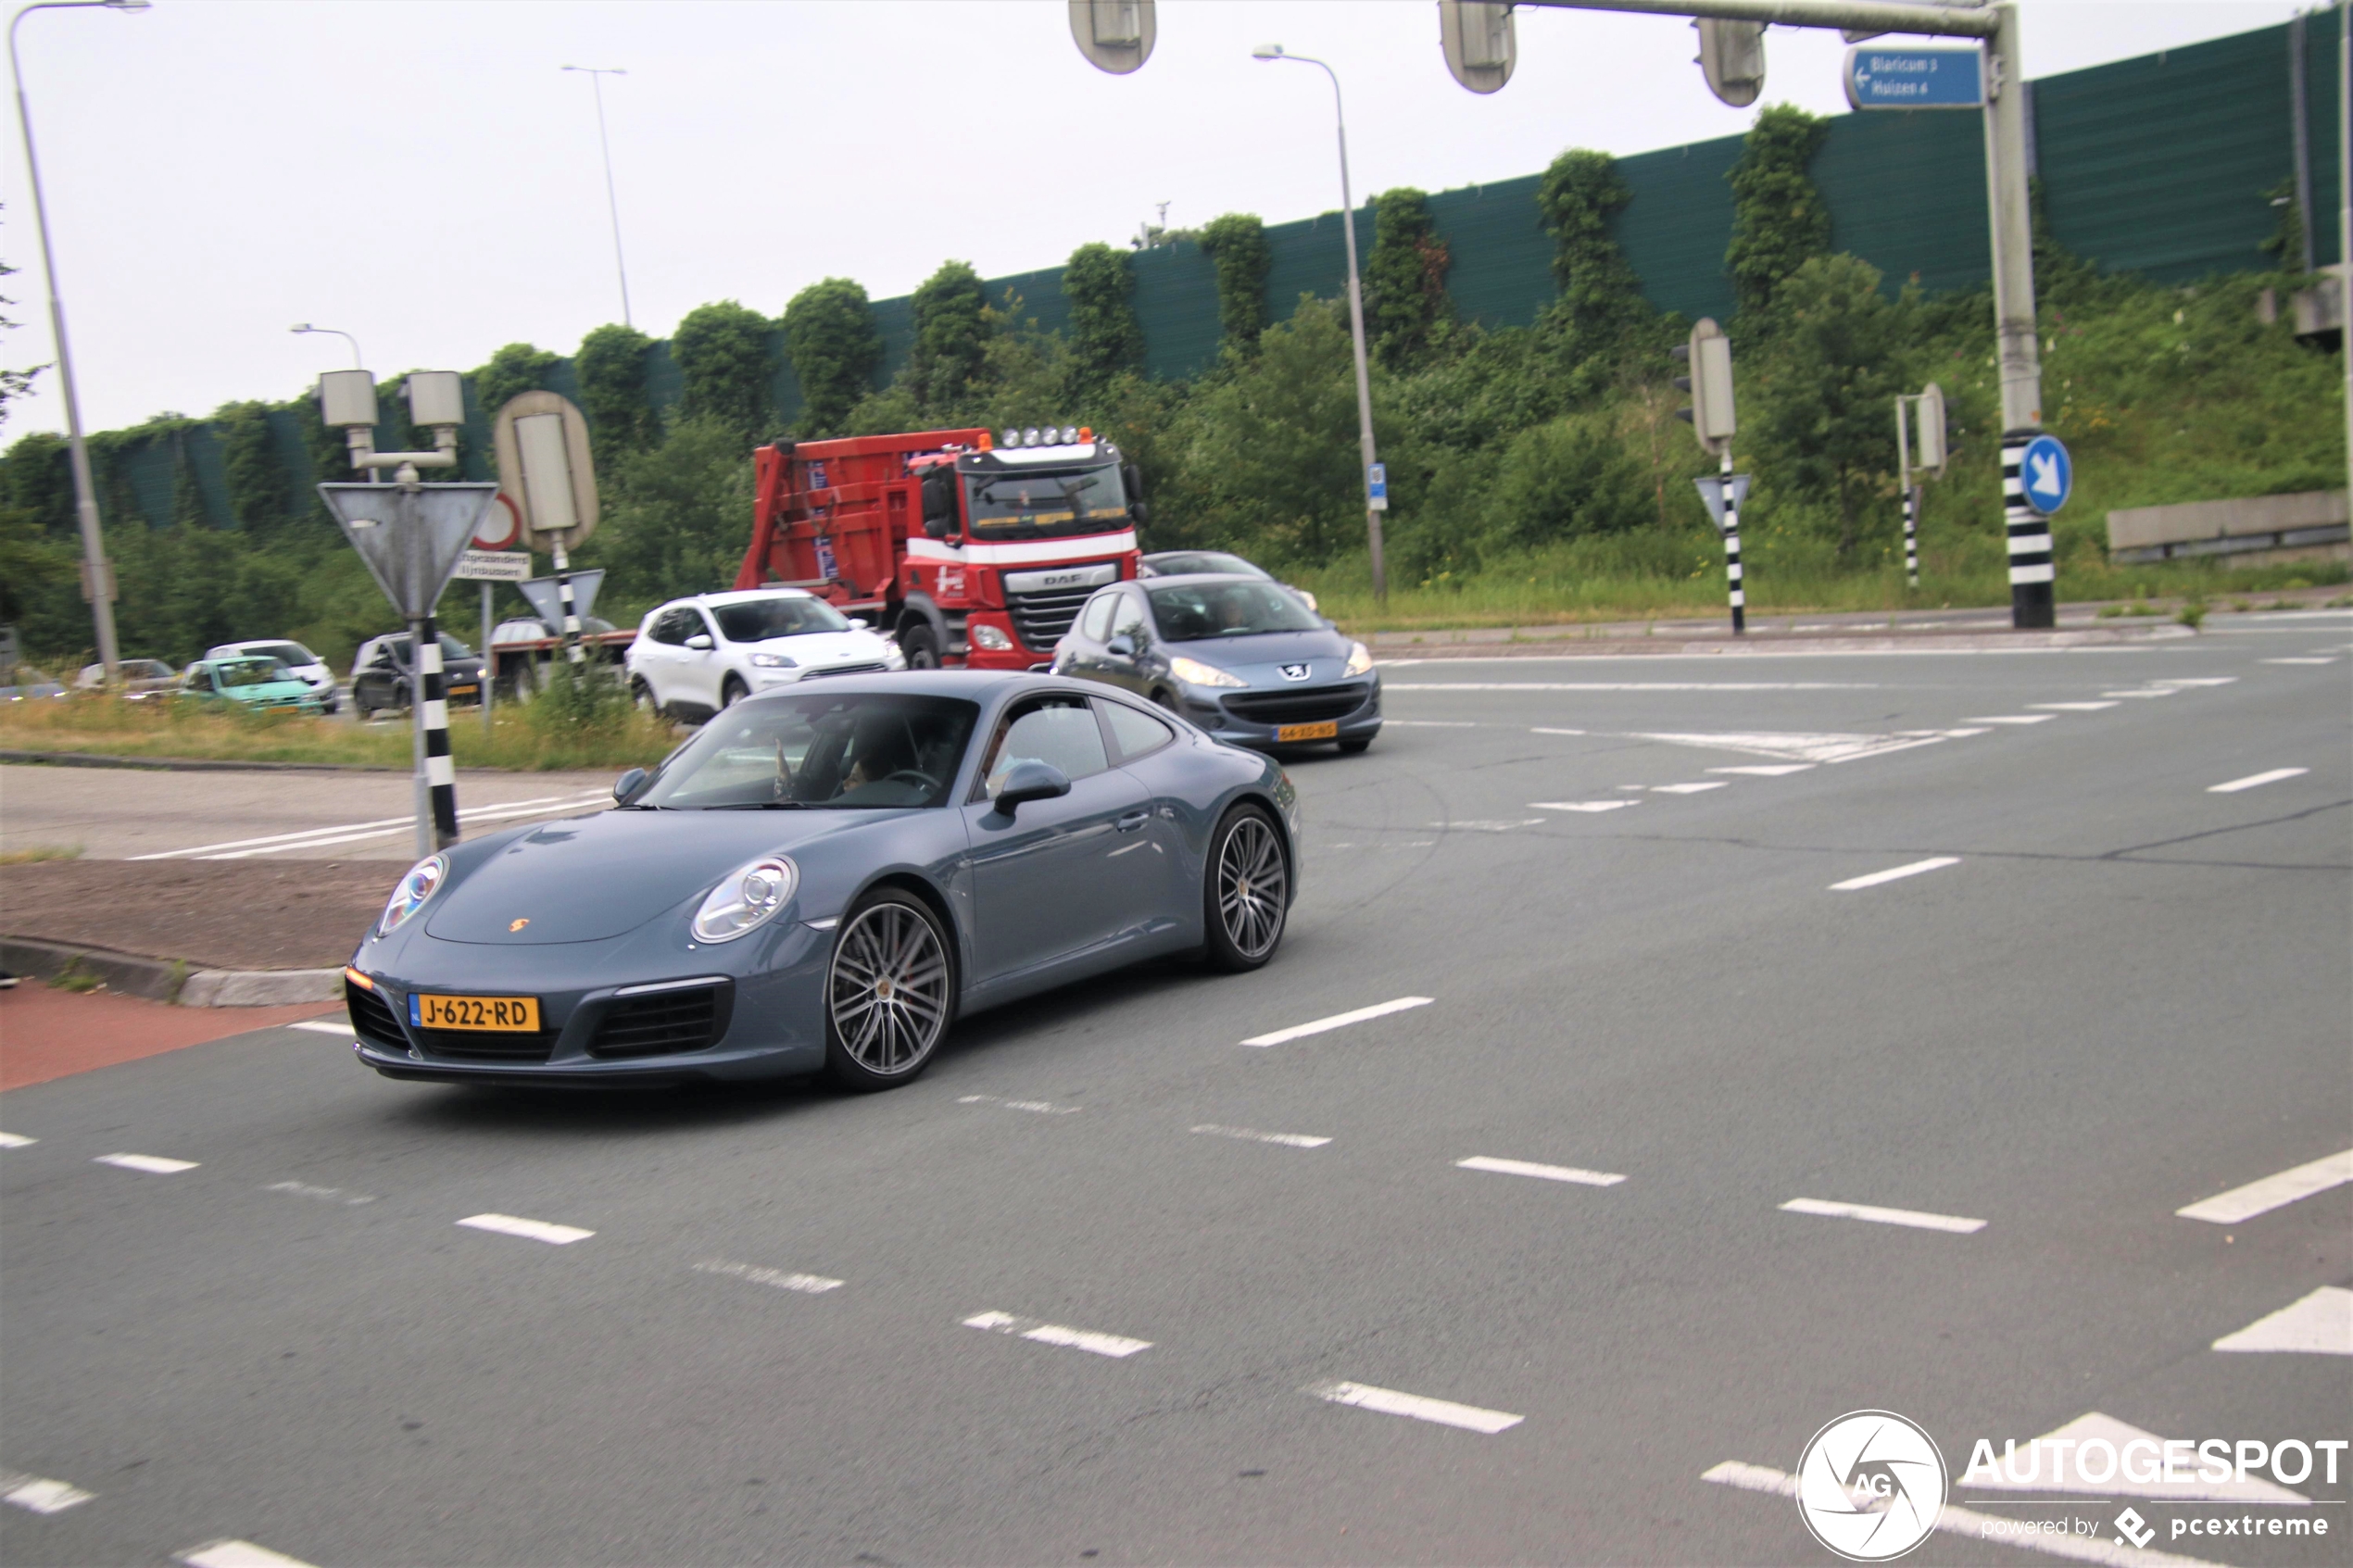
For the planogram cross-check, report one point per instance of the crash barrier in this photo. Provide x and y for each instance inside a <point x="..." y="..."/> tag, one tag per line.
<point x="2257" y="530"/>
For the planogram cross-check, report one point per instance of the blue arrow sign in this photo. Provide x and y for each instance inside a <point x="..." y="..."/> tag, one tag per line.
<point x="1376" y="488"/>
<point x="1914" y="78"/>
<point x="2047" y="474"/>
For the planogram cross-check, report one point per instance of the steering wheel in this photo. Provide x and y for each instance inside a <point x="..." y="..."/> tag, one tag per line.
<point x="911" y="775"/>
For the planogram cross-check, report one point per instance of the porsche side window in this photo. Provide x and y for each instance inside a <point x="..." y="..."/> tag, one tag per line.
<point x="1137" y="734"/>
<point x="1095" y="625"/>
<point x="1061" y="731"/>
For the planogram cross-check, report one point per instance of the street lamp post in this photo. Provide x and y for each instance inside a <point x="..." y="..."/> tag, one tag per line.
<point x="1355" y="322"/>
<point x="85" y="493"/>
<point x="612" y="202"/>
<point x="332" y="332"/>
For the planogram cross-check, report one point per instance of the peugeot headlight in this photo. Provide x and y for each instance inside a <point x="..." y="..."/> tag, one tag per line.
<point x="1193" y="672"/>
<point x="746" y="899"/>
<point x="418" y="885"/>
<point x="773" y="661"/>
<point x="1360" y="659"/>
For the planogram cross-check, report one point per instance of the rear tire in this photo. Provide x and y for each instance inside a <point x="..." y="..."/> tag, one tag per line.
<point x="642" y="696"/>
<point x="921" y="646"/>
<point x="1245" y="891"/>
<point x="891" y="992"/>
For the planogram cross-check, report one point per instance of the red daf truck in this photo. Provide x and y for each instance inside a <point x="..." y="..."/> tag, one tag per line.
<point x="968" y="551"/>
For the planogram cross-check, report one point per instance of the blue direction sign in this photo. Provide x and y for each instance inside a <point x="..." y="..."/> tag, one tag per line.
<point x="1376" y="488"/>
<point x="1914" y="78"/>
<point x="2047" y="474"/>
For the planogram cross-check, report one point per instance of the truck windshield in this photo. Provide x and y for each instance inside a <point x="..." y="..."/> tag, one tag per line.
<point x="1045" y="503"/>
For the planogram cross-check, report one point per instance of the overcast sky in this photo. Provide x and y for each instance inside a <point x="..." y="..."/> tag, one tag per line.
<point x="423" y="176"/>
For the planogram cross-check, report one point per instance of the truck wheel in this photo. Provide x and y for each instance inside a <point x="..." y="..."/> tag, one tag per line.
<point x="921" y="646"/>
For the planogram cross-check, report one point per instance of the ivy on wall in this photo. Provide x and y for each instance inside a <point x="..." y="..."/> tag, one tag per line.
<point x="1405" y="278"/>
<point x="1579" y="200"/>
<point x="834" y="348"/>
<point x="518" y="368"/>
<point x="613" y="394"/>
<point x="951" y="336"/>
<point x="1100" y="283"/>
<point x="721" y="350"/>
<point x="1779" y="220"/>
<point x="1237" y="247"/>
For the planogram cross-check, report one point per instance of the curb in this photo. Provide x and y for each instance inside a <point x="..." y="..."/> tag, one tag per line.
<point x="190" y="764"/>
<point x="1757" y="645"/>
<point x="170" y="980"/>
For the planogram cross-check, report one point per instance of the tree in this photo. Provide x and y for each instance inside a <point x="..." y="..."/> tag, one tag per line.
<point x="834" y="348"/>
<point x="1237" y="247"/>
<point x="1405" y="278"/>
<point x="1600" y="301"/>
<point x="951" y="336"/>
<point x="1566" y="479"/>
<point x="1100" y="282"/>
<point x="722" y="352"/>
<point x="260" y="490"/>
<point x="1825" y="399"/>
<point x="680" y="515"/>
<point x="1779" y="220"/>
<point x="518" y="368"/>
<point x="613" y="394"/>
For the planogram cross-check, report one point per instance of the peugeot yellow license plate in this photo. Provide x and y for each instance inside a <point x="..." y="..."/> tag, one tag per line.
<point x="506" y="1015"/>
<point x="1329" y="730"/>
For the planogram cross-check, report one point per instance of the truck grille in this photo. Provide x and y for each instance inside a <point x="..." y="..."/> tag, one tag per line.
<point x="664" y="1023"/>
<point x="373" y="1020"/>
<point x="1310" y="707"/>
<point x="1041" y="620"/>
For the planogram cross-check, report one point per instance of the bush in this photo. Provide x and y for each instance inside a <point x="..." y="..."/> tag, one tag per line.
<point x="1567" y="479"/>
<point x="834" y="348"/>
<point x="611" y="367"/>
<point x="722" y="351"/>
<point x="1237" y="247"/>
<point x="1105" y="337"/>
<point x="950" y="338"/>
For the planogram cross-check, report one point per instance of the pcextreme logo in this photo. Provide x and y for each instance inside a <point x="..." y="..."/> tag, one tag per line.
<point x="1870" y="1485"/>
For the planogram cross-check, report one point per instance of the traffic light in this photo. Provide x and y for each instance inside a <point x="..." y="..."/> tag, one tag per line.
<point x="1709" y="357"/>
<point x="1929" y="424"/>
<point x="1731" y="56"/>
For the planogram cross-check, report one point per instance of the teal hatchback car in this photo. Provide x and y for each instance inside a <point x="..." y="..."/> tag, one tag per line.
<point x="255" y="684"/>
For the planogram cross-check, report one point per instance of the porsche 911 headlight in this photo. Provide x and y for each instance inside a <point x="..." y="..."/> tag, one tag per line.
<point x="418" y="885"/>
<point x="746" y="898"/>
<point x="1360" y="659"/>
<point x="1193" y="672"/>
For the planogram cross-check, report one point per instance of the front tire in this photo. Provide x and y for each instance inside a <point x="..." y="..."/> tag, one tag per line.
<point x="733" y="691"/>
<point x="891" y="992"/>
<point x="921" y="646"/>
<point x="1246" y="891"/>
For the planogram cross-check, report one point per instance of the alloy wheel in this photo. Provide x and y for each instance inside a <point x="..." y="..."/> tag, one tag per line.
<point x="1254" y="886"/>
<point x="889" y="991"/>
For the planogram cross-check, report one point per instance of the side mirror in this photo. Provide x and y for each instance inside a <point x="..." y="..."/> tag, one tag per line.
<point x="629" y="783"/>
<point x="1120" y="647"/>
<point x="1030" y="780"/>
<point x="700" y="641"/>
<point x="936" y="528"/>
<point x="1139" y="512"/>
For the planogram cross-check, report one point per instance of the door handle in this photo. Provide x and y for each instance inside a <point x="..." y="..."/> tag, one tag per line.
<point x="1133" y="820"/>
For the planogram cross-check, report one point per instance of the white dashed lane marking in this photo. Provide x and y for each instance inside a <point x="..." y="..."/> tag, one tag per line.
<point x="1766" y="769"/>
<point x="41" y="1496"/>
<point x="530" y="1229"/>
<point x="2071" y="707"/>
<point x="1580" y="805"/>
<point x="807" y="1284"/>
<point x="1855" y="884"/>
<point x="1878" y="1216"/>
<point x="238" y="1554"/>
<point x="1111" y="1345"/>
<point x="1338" y="1021"/>
<point x="2011" y="718"/>
<point x="324" y="1195"/>
<point x="153" y="1164"/>
<point x="1036" y="1107"/>
<point x="2272" y="1192"/>
<point x="1544" y="731"/>
<point x="2299" y="661"/>
<point x="16" y="1140"/>
<point x="1251" y="1135"/>
<point x="1633" y="687"/>
<point x="320" y="1026"/>
<point x="1541" y="1172"/>
<point x="1689" y="788"/>
<point x="2254" y="781"/>
<point x="1388" y="1401"/>
<point x="2320" y="1324"/>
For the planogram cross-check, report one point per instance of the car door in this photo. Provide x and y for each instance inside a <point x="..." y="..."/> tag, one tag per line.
<point x="699" y="669"/>
<point x="656" y="656"/>
<point x="1128" y="621"/>
<point x="1083" y="652"/>
<point x="1047" y="878"/>
<point x="1165" y="890"/>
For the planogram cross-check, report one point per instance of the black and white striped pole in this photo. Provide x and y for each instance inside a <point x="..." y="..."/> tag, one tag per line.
<point x="2033" y="601"/>
<point x="1923" y="410"/>
<point x="411" y="535"/>
<point x="1707" y="357"/>
<point x="572" y="650"/>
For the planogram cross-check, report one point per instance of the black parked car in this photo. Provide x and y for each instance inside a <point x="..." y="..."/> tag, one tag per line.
<point x="1238" y="656"/>
<point x="380" y="673"/>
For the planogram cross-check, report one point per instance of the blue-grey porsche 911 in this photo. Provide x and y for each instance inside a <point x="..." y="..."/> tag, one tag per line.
<point x="824" y="879"/>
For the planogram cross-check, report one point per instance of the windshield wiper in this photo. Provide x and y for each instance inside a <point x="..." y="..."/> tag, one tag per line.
<point x="642" y="806"/>
<point x="763" y="806"/>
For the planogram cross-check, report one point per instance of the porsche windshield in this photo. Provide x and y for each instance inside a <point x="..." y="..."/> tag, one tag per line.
<point x="852" y="750"/>
<point x="1020" y="503"/>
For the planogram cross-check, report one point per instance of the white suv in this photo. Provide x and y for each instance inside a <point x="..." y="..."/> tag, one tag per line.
<point x="694" y="657"/>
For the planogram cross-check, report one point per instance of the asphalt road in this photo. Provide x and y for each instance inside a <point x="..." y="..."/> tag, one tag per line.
<point x="2122" y="993"/>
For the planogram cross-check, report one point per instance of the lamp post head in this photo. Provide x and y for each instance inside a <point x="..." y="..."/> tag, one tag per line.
<point x="128" y="4"/>
<point x="1267" y="52"/>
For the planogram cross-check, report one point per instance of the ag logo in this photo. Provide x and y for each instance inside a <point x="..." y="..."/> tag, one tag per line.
<point x="1870" y="1485"/>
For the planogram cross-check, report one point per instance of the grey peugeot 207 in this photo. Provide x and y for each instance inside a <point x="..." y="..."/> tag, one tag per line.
<point x="824" y="878"/>
<point x="1242" y="657"/>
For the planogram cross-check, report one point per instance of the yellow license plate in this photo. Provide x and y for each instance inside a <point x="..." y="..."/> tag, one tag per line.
<point x="461" y="691"/>
<point x="1329" y="730"/>
<point x="509" y="1015"/>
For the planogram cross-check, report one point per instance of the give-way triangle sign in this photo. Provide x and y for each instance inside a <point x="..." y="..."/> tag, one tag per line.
<point x="410" y="538"/>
